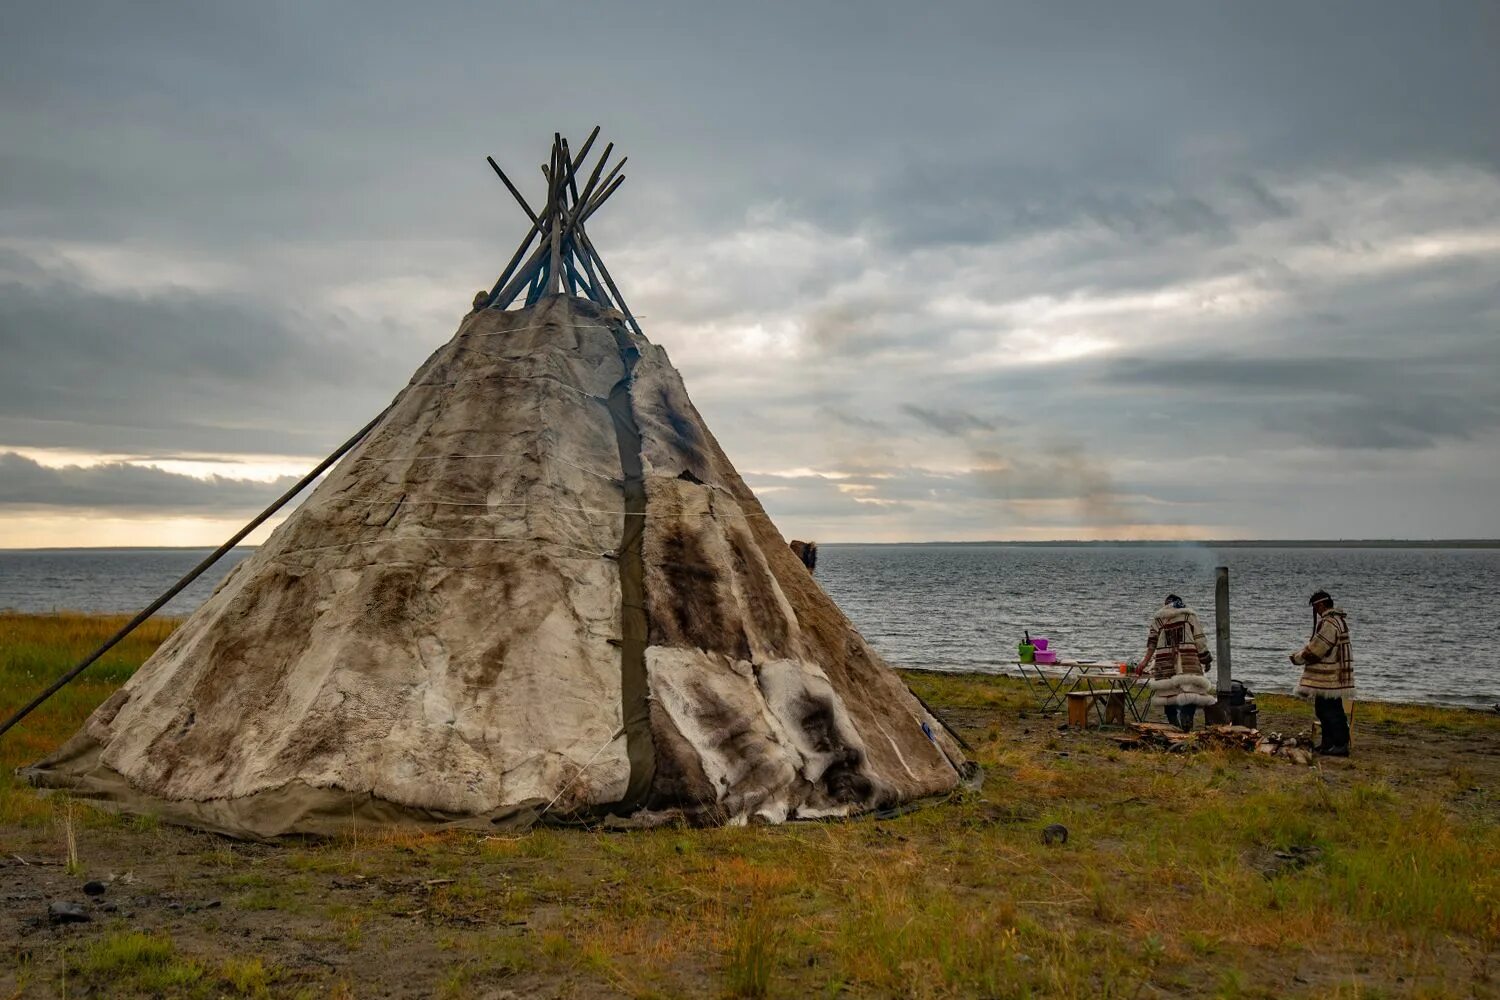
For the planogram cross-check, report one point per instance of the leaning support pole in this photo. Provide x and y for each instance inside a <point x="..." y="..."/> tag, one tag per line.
<point x="588" y="189"/>
<point x="588" y="248"/>
<point x="511" y="188"/>
<point x="1221" y="629"/>
<point x="510" y="268"/>
<point x="192" y="575"/>
<point x="539" y="279"/>
<point x="596" y="289"/>
<point x="577" y="161"/>
<point x="555" y="201"/>
<point x="590" y="289"/>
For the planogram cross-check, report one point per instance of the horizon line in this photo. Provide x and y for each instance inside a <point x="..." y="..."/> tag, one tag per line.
<point x="1482" y="543"/>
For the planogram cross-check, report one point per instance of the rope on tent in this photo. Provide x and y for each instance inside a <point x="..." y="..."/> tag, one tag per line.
<point x="512" y="378"/>
<point x="536" y="326"/>
<point x="609" y="477"/>
<point x="393" y="539"/>
<point x="422" y="458"/>
<point x="606" y="476"/>
<point x="546" y="441"/>
<point x="548" y="430"/>
<point x="333" y="501"/>
<point x="579" y="773"/>
<point x="500" y="357"/>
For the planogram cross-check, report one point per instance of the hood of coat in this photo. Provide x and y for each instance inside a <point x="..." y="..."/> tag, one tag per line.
<point x="1169" y="615"/>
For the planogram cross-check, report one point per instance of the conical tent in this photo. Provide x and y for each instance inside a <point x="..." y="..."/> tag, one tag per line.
<point x="536" y="588"/>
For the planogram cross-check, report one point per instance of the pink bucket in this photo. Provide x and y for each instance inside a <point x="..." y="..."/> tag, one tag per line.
<point x="1046" y="656"/>
<point x="1040" y="644"/>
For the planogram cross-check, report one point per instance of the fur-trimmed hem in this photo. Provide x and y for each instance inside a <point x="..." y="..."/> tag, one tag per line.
<point x="1181" y="682"/>
<point x="1303" y="691"/>
<point x="1182" y="699"/>
<point x="1183" y="691"/>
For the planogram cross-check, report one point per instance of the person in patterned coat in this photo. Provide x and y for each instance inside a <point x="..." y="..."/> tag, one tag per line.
<point x="1327" y="663"/>
<point x="1176" y="657"/>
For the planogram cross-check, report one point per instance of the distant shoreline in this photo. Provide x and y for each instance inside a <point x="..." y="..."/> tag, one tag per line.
<point x="1236" y="543"/>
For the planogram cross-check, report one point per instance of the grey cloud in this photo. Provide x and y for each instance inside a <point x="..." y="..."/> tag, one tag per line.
<point x="852" y="420"/>
<point x="1339" y="403"/>
<point x="954" y="423"/>
<point x="176" y="370"/>
<point x="1060" y="485"/>
<point x="1398" y="421"/>
<point x="1178" y="215"/>
<point x="967" y="202"/>
<point x="359" y="101"/>
<point x="1270" y="204"/>
<point x="122" y="488"/>
<point x="1294" y="374"/>
<point x="857" y="327"/>
<point x="1064" y="472"/>
<point x="819" y="497"/>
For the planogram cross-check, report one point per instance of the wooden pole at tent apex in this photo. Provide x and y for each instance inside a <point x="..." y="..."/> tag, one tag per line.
<point x="588" y="248"/>
<point x="565" y="259"/>
<point x="520" y="200"/>
<point x="557" y="192"/>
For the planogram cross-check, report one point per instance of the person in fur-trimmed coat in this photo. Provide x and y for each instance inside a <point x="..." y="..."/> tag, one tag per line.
<point x="1327" y="663"/>
<point x="1176" y="656"/>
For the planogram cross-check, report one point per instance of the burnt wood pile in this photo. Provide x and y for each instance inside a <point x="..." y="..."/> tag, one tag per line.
<point x="1160" y="736"/>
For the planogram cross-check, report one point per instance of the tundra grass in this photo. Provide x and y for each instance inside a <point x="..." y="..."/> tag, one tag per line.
<point x="34" y="651"/>
<point x="131" y="962"/>
<point x="1210" y="874"/>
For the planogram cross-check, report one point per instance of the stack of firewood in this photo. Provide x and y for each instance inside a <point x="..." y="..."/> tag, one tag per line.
<point x="1159" y="736"/>
<point x="1297" y="749"/>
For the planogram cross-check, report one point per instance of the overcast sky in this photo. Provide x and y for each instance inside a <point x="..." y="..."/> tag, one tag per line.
<point x="930" y="271"/>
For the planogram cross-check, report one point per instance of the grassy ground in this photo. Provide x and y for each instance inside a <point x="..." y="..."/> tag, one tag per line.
<point x="1213" y="874"/>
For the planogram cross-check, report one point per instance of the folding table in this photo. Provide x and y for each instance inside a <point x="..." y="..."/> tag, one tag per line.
<point x="1052" y="687"/>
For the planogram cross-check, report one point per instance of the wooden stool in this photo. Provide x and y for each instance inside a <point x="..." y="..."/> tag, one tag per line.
<point x="1081" y="704"/>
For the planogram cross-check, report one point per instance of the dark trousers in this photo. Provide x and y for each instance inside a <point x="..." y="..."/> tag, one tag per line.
<point x="1335" y="723"/>
<point x="1181" y="716"/>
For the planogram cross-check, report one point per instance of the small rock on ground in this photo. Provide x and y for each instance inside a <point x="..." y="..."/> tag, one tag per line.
<point x="65" y="911"/>
<point x="1055" y="834"/>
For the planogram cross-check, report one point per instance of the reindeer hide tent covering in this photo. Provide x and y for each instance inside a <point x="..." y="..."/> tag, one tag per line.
<point x="537" y="588"/>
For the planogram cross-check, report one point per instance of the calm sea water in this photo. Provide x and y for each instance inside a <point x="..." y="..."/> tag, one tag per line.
<point x="1425" y="622"/>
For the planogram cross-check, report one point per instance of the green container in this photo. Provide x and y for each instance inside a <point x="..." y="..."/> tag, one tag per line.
<point x="1027" y="651"/>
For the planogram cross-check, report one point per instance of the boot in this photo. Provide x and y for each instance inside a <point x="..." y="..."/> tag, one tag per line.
<point x="1342" y="751"/>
